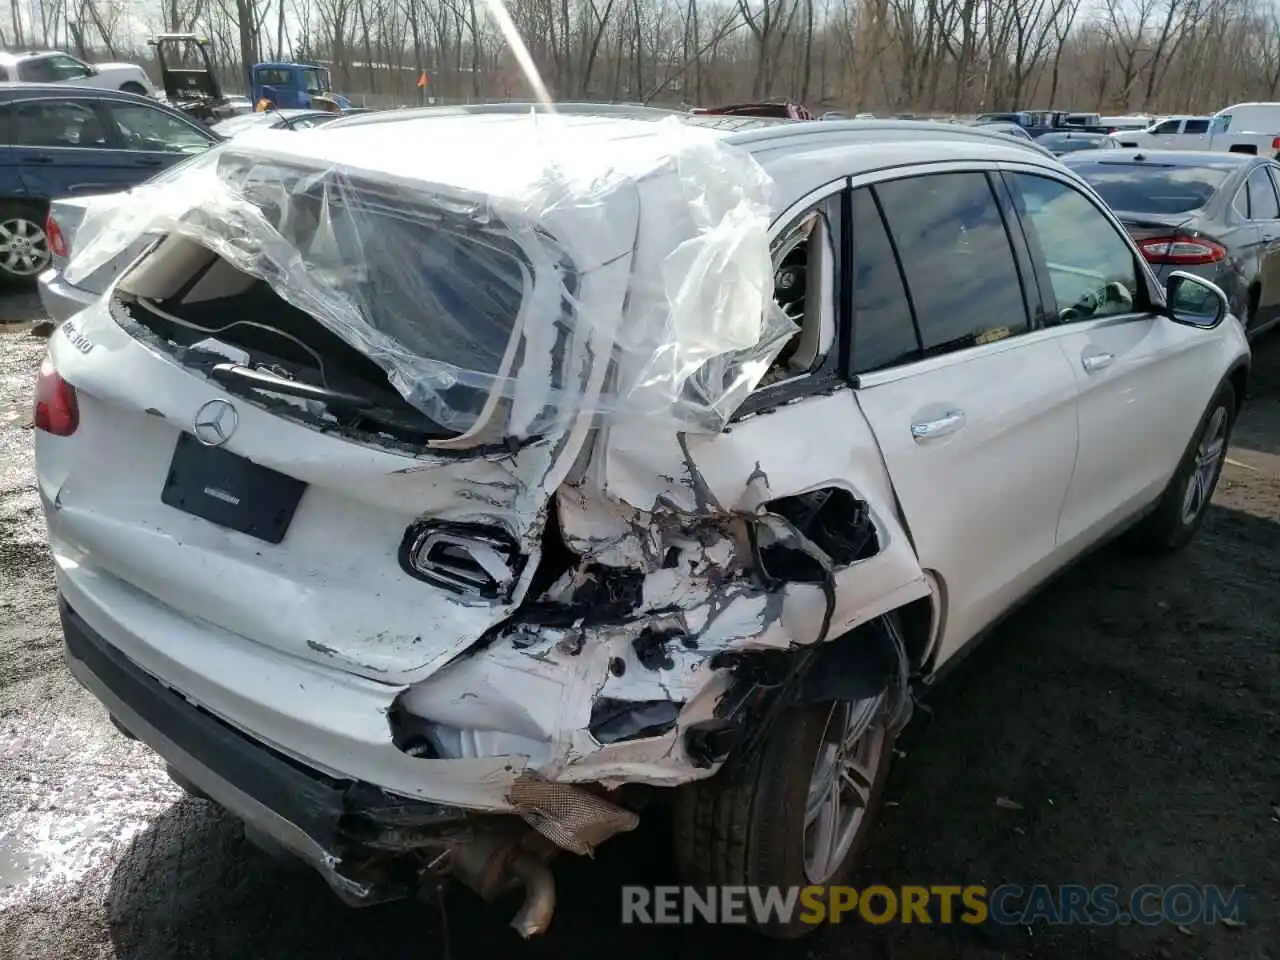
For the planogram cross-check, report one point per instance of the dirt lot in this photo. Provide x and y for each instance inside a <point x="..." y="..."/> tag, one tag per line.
<point x="1132" y="710"/>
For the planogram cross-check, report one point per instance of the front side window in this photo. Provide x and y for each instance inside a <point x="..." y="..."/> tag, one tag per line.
<point x="1169" y="126"/>
<point x="957" y="258"/>
<point x="1262" y="196"/>
<point x="68" y="68"/>
<point x="1091" y="266"/>
<point x="145" y="128"/>
<point x="315" y="80"/>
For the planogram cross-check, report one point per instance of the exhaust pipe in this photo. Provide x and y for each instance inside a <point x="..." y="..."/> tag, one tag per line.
<point x="490" y="864"/>
<point x="539" y="896"/>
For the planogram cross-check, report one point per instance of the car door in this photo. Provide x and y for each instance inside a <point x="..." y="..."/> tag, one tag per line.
<point x="1194" y="134"/>
<point x="62" y="148"/>
<point x="153" y="139"/>
<point x="972" y="406"/>
<point x="1132" y="365"/>
<point x="1163" y="136"/>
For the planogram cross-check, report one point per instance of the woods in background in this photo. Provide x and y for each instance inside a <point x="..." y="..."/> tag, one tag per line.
<point x="928" y="56"/>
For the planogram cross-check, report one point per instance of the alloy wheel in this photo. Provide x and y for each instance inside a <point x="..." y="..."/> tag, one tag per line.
<point x="1210" y="452"/>
<point x="844" y="774"/>
<point x="24" y="248"/>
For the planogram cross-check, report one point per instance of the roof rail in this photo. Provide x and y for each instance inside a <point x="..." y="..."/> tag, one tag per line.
<point x="635" y="111"/>
<point x="871" y="131"/>
<point x="759" y="133"/>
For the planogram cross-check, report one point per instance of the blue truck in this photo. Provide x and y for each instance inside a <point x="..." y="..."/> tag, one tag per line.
<point x="293" y="86"/>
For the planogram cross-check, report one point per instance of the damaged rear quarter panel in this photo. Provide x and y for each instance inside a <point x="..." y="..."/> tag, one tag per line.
<point x="667" y="505"/>
<point x="641" y="479"/>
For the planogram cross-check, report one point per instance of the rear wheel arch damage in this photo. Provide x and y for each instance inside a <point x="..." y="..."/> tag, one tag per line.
<point x="636" y="684"/>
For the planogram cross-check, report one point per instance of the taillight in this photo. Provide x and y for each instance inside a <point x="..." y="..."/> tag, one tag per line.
<point x="476" y="561"/>
<point x="56" y="409"/>
<point x="1275" y="143"/>
<point x="53" y="232"/>
<point x="1185" y="251"/>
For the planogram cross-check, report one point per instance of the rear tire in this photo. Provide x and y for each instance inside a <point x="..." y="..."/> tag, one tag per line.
<point x="24" y="248"/>
<point x="1182" y="507"/>
<point x="754" y="822"/>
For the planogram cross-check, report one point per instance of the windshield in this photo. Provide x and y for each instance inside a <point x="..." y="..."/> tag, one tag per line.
<point x="1136" y="188"/>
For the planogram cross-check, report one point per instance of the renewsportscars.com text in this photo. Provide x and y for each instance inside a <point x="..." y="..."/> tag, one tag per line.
<point x="1008" y="904"/>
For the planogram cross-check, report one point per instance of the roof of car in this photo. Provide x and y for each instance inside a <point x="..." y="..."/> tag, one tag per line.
<point x="799" y="156"/>
<point x="11" y="89"/>
<point x="7" y="57"/>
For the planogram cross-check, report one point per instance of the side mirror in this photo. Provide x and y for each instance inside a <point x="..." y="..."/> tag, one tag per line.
<point x="1195" y="301"/>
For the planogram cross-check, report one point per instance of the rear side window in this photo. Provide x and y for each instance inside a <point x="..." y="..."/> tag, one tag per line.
<point x="957" y="257"/>
<point x="884" y="332"/>
<point x="1196" y="126"/>
<point x="57" y="123"/>
<point x="1262" y="196"/>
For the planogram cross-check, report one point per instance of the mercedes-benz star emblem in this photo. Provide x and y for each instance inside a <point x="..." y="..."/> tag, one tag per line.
<point x="215" y="422"/>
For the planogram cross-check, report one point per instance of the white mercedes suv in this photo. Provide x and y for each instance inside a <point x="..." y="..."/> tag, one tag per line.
<point x="432" y="510"/>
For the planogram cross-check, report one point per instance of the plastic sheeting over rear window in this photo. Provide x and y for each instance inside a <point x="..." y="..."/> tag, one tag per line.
<point x="490" y="265"/>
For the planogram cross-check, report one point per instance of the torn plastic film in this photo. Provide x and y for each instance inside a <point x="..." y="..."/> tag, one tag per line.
<point x="492" y="279"/>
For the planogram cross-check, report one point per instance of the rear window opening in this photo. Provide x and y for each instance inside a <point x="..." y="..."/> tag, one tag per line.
<point x="249" y="326"/>
<point x="433" y="294"/>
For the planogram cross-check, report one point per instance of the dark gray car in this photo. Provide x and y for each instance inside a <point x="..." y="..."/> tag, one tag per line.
<point x="1213" y="214"/>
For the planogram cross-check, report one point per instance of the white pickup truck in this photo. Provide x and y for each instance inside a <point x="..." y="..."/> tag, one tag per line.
<point x="1252" y="128"/>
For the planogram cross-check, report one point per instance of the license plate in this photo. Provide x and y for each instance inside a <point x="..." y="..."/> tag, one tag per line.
<point x="228" y="490"/>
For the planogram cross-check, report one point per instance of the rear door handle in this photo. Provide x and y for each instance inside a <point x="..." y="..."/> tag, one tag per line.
<point x="948" y="423"/>
<point x="1093" y="362"/>
<point x="36" y="158"/>
<point x="148" y="162"/>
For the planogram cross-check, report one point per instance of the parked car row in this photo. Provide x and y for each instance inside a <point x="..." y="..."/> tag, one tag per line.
<point x="380" y="563"/>
<point x="1213" y="214"/>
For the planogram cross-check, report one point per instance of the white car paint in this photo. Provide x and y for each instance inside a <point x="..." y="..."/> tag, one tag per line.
<point x="1170" y="133"/>
<point x="1245" y="127"/>
<point x="307" y="645"/>
<point x="52" y="66"/>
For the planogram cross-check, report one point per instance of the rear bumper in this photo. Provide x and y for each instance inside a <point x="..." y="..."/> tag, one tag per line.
<point x="59" y="298"/>
<point x="325" y="821"/>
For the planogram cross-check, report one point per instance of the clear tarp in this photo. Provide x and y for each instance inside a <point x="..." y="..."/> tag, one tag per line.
<point x="507" y="272"/>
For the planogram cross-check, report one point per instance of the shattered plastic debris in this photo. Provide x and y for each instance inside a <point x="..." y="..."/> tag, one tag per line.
<point x="493" y="279"/>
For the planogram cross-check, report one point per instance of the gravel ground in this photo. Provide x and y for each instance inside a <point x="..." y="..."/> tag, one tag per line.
<point x="1131" y="711"/>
